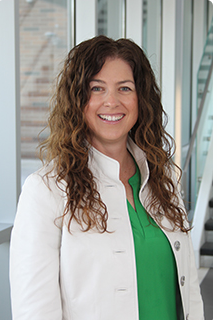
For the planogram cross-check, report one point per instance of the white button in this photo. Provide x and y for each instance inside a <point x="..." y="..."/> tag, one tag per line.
<point x="182" y="281"/>
<point x="177" y="245"/>
<point x="121" y="289"/>
<point x="187" y="317"/>
<point x="119" y="251"/>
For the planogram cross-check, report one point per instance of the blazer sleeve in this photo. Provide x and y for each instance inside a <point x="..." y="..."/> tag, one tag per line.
<point x="196" y="303"/>
<point x="34" y="252"/>
<point x="196" y="309"/>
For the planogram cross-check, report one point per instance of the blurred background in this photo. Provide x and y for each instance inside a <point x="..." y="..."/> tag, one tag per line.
<point x="176" y="35"/>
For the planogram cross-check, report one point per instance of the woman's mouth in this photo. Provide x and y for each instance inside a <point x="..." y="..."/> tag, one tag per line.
<point x="111" y="118"/>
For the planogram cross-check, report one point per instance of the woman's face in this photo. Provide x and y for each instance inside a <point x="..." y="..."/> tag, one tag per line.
<point x="113" y="106"/>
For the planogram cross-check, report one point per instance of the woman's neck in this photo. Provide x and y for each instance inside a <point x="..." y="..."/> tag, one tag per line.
<point x="116" y="151"/>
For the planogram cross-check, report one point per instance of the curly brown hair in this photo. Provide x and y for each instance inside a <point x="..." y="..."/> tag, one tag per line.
<point x="67" y="146"/>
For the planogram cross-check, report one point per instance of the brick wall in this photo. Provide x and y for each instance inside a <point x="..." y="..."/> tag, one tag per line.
<point x="43" y="47"/>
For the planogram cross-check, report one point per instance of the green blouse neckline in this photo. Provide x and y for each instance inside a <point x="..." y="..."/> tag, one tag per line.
<point x="155" y="262"/>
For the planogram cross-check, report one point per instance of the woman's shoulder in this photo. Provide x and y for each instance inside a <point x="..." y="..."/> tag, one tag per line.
<point x="44" y="180"/>
<point x="42" y="197"/>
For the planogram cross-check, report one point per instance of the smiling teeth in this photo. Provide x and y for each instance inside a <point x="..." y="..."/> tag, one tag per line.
<point x="111" y="118"/>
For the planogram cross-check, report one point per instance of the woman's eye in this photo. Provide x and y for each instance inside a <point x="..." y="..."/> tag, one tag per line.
<point x="96" y="89"/>
<point x="125" y="89"/>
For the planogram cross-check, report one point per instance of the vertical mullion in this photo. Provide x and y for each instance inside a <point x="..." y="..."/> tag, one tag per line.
<point x="71" y="24"/>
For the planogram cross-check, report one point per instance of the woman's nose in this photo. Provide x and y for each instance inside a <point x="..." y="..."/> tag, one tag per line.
<point x="111" y="100"/>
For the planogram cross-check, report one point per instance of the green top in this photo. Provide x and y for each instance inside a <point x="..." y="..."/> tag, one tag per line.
<point x="155" y="263"/>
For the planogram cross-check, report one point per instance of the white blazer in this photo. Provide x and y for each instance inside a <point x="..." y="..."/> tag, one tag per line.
<point x="57" y="275"/>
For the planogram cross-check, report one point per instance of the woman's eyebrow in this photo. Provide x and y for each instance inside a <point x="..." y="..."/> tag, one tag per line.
<point x="124" y="81"/>
<point x="97" y="80"/>
<point x="119" y="82"/>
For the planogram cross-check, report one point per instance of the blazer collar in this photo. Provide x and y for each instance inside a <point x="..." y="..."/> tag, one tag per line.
<point x="111" y="168"/>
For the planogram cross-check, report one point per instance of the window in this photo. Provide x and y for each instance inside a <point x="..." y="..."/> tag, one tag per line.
<point x="43" y="46"/>
<point x="151" y="34"/>
<point x="111" y="18"/>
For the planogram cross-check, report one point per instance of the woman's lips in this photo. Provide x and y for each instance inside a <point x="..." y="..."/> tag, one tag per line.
<point x="111" y="117"/>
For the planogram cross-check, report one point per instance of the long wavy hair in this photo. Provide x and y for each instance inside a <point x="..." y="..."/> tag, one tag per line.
<point x="67" y="149"/>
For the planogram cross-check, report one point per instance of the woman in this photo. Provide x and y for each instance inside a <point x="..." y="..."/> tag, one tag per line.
<point x="101" y="232"/>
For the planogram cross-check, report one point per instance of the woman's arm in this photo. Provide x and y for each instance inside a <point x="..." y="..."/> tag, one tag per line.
<point x="196" y="311"/>
<point x="196" y="303"/>
<point x="34" y="253"/>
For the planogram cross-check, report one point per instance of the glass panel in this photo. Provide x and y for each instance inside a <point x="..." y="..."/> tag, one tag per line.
<point x="151" y="34"/>
<point x="205" y="128"/>
<point x="111" y="18"/>
<point x="204" y="135"/>
<point x="43" y="46"/>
